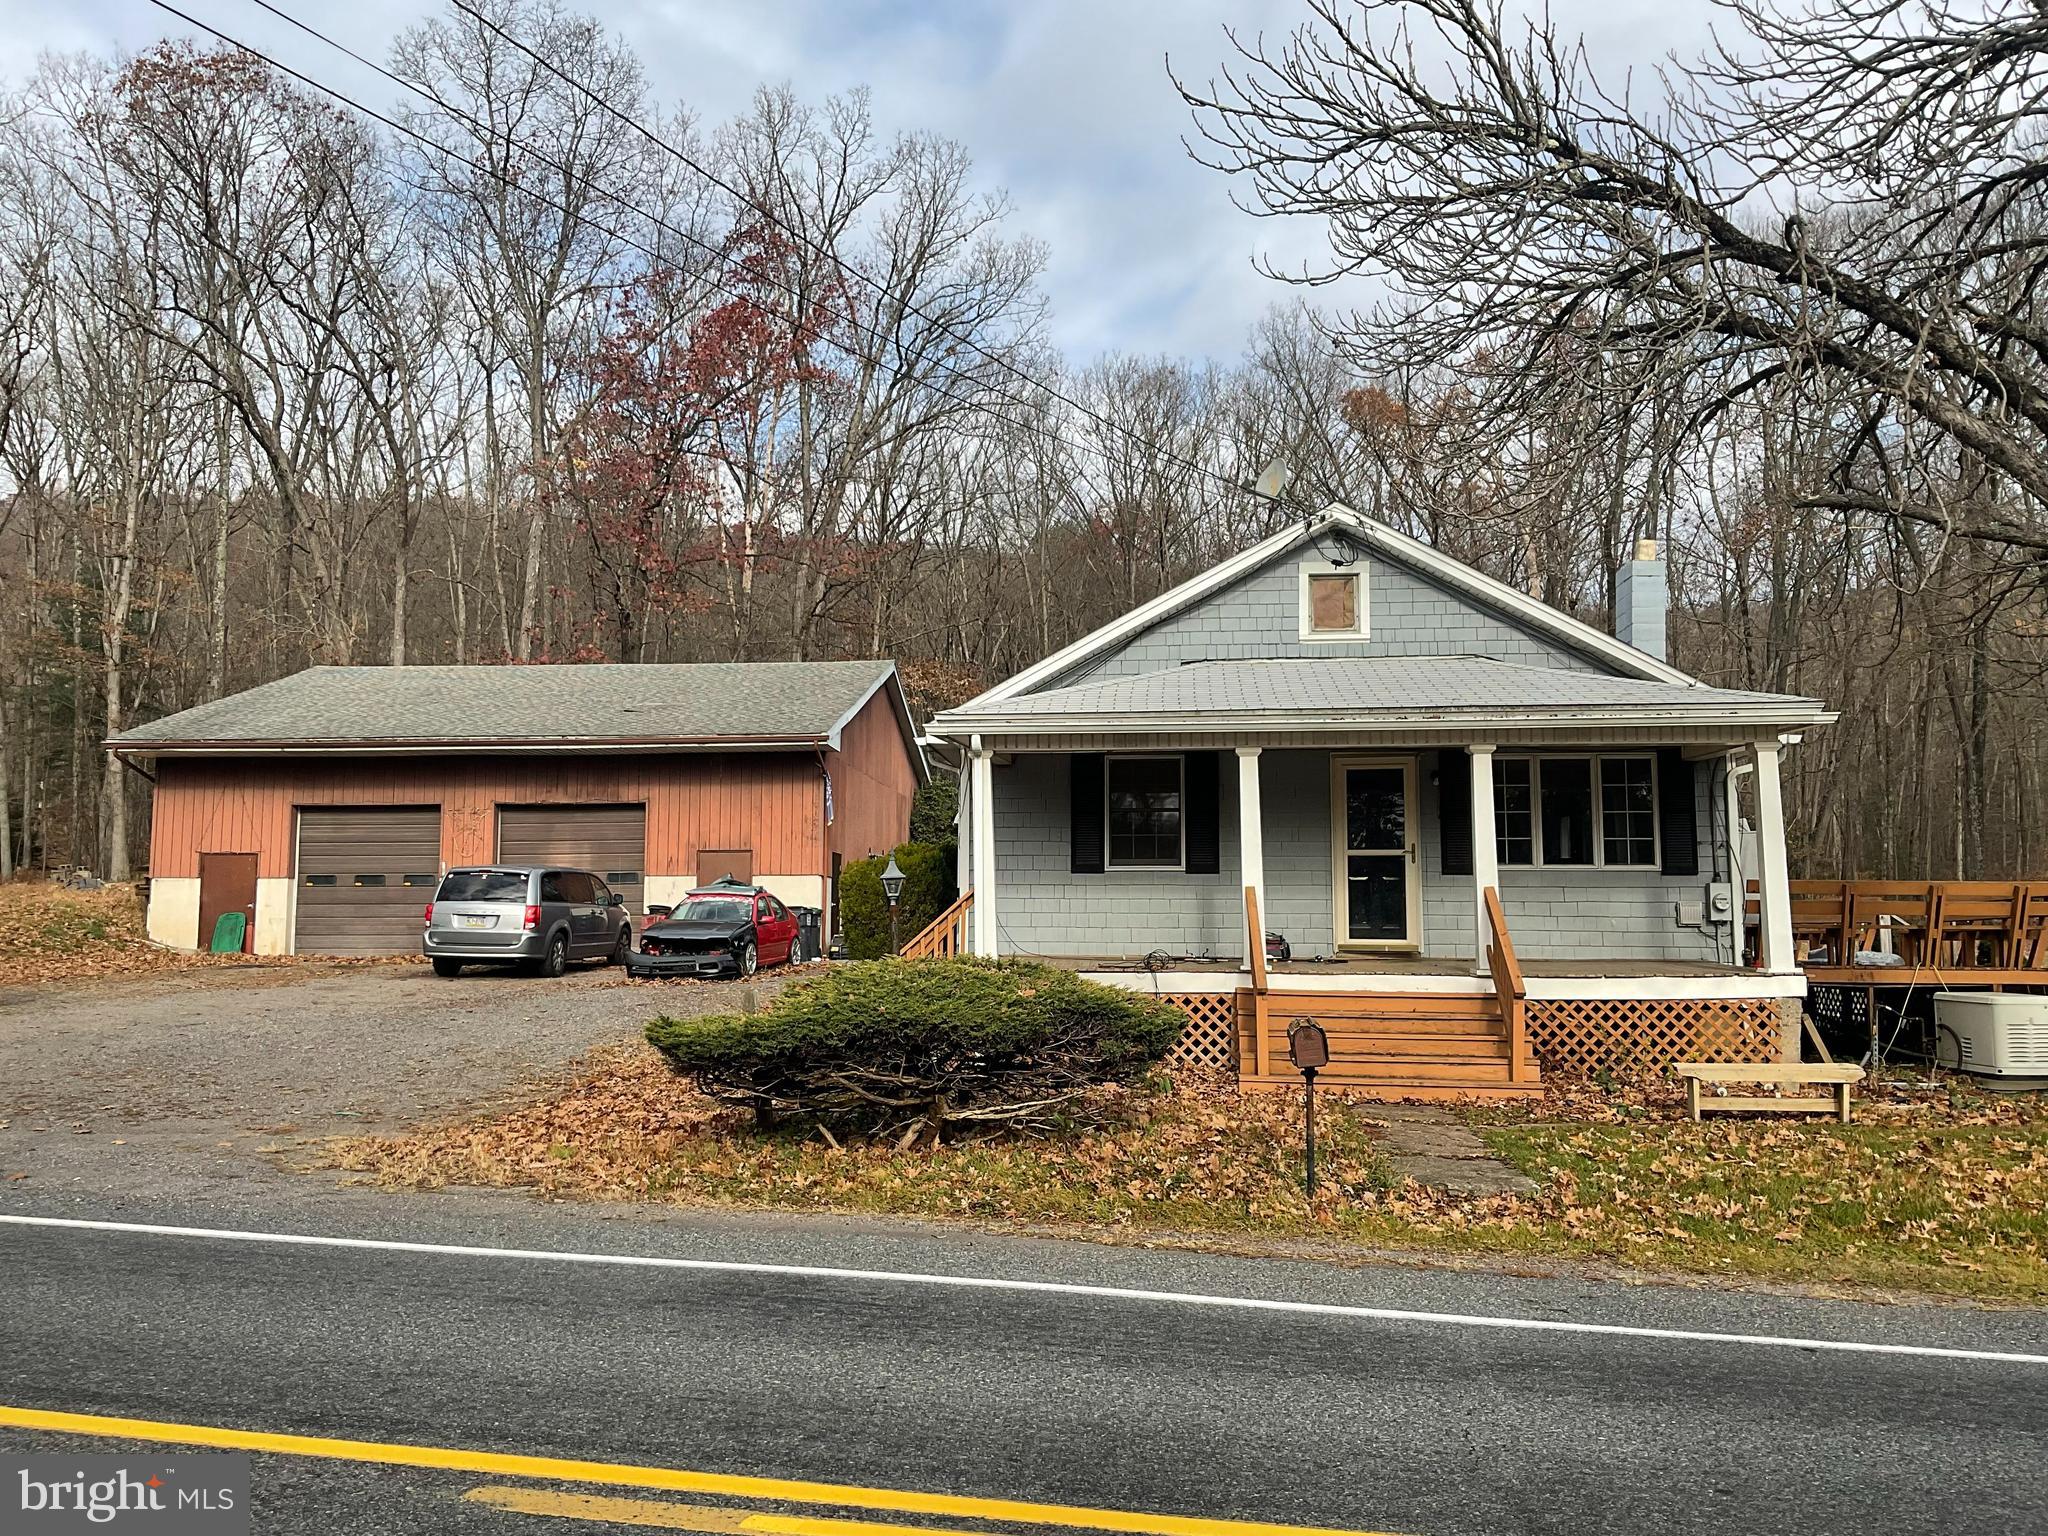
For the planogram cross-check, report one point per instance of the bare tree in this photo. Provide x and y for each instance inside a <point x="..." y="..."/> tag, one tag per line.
<point x="1854" y="189"/>
<point x="529" y="187"/>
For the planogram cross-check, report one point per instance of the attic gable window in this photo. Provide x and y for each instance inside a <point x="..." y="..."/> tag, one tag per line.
<point x="1333" y="601"/>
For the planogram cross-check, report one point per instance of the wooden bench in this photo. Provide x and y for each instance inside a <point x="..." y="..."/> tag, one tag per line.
<point x="1838" y="1075"/>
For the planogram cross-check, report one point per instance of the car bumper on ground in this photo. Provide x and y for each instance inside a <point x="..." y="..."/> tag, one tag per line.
<point x="446" y="944"/>
<point x="650" y="966"/>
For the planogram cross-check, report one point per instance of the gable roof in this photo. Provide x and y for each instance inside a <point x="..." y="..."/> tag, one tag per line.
<point x="1382" y="692"/>
<point x="1377" y="538"/>
<point x="762" y="705"/>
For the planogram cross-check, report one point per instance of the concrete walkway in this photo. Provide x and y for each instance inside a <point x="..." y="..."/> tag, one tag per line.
<point x="1428" y="1144"/>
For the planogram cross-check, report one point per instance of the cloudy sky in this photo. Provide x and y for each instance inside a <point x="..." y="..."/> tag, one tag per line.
<point x="1065" y="104"/>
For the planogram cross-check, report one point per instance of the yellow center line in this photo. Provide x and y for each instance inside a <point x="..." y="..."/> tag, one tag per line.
<point x="689" y="1517"/>
<point x="666" y="1479"/>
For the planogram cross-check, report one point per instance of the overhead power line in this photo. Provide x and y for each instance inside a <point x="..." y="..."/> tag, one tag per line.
<point x="803" y="329"/>
<point x="817" y="246"/>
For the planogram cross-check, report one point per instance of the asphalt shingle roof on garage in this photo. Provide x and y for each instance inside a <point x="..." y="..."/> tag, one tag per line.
<point x="779" y="702"/>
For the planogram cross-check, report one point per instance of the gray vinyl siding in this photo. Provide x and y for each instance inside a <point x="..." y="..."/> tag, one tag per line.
<point x="1575" y="914"/>
<point x="1260" y="616"/>
<point x="1560" y="914"/>
<point x="1043" y="908"/>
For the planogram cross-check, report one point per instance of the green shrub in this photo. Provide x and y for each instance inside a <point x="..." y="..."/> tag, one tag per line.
<point x="912" y="1047"/>
<point x="933" y="809"/>
<point x="928" y="889"/>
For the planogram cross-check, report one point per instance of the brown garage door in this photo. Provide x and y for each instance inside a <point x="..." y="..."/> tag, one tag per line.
<point x="610" y="839"/>
<point x="365" y="875"/>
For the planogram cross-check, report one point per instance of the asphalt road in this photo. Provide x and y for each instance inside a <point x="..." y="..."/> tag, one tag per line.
<point x="1358" y="1423"/>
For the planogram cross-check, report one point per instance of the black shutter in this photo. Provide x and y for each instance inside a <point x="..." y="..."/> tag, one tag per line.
<point x="1677" y="812"/>
<point x="1202" y="813"/>
<point x="1454" y="809"/>
<point x="1084" y="806"/>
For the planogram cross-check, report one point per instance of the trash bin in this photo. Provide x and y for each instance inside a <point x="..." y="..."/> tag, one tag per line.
<point x="810" y="927"/>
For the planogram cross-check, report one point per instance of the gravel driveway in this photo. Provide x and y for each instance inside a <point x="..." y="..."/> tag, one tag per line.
<point x="170" y="1082"/>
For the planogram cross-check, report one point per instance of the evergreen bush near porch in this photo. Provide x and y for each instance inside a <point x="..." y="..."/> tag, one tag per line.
<point x="913" y="1047"/>
<point x="928" y="889"/>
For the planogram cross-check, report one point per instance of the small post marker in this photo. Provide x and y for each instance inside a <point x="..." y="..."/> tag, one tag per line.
<point x="1309" y="1049"/>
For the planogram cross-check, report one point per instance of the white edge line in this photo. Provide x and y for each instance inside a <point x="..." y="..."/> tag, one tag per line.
<point x="1042" y="1287"/>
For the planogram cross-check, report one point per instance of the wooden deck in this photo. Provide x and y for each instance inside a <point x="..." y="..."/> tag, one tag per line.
<point x="1954" y="978"/>
<point x="1964" y="932"/>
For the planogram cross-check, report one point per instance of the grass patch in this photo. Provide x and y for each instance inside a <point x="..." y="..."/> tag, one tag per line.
<point x="1943" y="1194"/>
<point x="1907" y="1201"/>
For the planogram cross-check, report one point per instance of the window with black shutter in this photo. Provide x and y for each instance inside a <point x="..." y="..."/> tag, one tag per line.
<point x="1678" y="813"/>
<point x="1200" y="777"/>
<point x="1454" y="810"/>
<point x="1085" y="806"/>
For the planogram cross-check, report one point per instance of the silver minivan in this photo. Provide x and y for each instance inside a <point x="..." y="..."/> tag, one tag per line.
<point x="536" y="918"/>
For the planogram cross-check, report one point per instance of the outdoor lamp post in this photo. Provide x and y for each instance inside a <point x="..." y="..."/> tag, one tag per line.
<point x="892" y="887"/>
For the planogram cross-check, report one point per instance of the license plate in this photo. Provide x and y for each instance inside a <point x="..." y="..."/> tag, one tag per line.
<point x="470" y="920"/>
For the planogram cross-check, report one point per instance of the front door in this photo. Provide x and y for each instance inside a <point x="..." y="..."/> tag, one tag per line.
<point x="1378" y="881"/>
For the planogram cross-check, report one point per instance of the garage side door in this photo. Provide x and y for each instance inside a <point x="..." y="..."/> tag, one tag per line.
<point x="365" y="875"/>
<point x="610" y="839"/>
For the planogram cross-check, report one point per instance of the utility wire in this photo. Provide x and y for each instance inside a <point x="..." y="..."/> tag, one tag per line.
<point x="806" y="330"/>
<point x="818" y="246"/>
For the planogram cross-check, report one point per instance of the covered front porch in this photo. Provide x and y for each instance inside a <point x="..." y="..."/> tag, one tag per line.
<point x="1597" y="927"/>
<point x="1609" y="851"/>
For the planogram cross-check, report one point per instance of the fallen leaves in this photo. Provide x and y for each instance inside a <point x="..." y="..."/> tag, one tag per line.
<point x="1199" y="1156"/>
<point x="1941" y="1192"/>
<point x="52" y="933"/>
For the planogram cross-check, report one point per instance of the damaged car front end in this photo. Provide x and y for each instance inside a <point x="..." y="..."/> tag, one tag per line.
<point x="699" y="938"/>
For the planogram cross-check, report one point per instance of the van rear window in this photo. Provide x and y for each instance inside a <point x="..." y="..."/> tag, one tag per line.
<point x="482" y="885"/>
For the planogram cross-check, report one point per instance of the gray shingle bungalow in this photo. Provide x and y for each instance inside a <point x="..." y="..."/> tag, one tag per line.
<point x="1323" y="721"/>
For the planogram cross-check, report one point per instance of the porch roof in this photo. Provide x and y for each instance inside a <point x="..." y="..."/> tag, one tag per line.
<point x="1394" y="692"/>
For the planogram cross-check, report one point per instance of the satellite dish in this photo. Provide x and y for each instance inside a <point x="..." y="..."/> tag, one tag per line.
<point x="1272" y="481"/>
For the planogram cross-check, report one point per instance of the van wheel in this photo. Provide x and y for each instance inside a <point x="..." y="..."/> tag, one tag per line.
<point x="557" y="960"/>
<point x="447" y="967"/>
<point x="623" y="948"/>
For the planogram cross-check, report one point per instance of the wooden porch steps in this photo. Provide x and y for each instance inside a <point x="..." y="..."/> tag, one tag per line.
<point x="1395" y="1091"/>
<point x="1394" y="1045"/>
<point x="1399" y="1045"/>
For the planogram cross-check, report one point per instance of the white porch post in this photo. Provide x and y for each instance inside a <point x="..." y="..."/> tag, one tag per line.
<point x="1251" y="844"/>
<point x="1738" y="876"/>
<point x="1774" y="889"/>
<point x="1485" y="852"/>
<point x="983" y="812"/>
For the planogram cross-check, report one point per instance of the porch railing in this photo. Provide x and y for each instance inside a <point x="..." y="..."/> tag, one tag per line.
<point x="944" y="935"/>
<point x="1507" y="984"/>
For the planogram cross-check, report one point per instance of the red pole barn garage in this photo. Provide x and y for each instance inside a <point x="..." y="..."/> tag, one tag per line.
<point x="326" y="805"/>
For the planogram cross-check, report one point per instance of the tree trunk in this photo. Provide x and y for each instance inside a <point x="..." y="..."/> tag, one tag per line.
<point x="536" y="517"/>
<point x="114" y="632"/>
<point x="6" y="804"/>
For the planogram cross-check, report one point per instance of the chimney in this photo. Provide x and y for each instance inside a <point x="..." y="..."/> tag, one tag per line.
<point x="1640" y="598"/>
